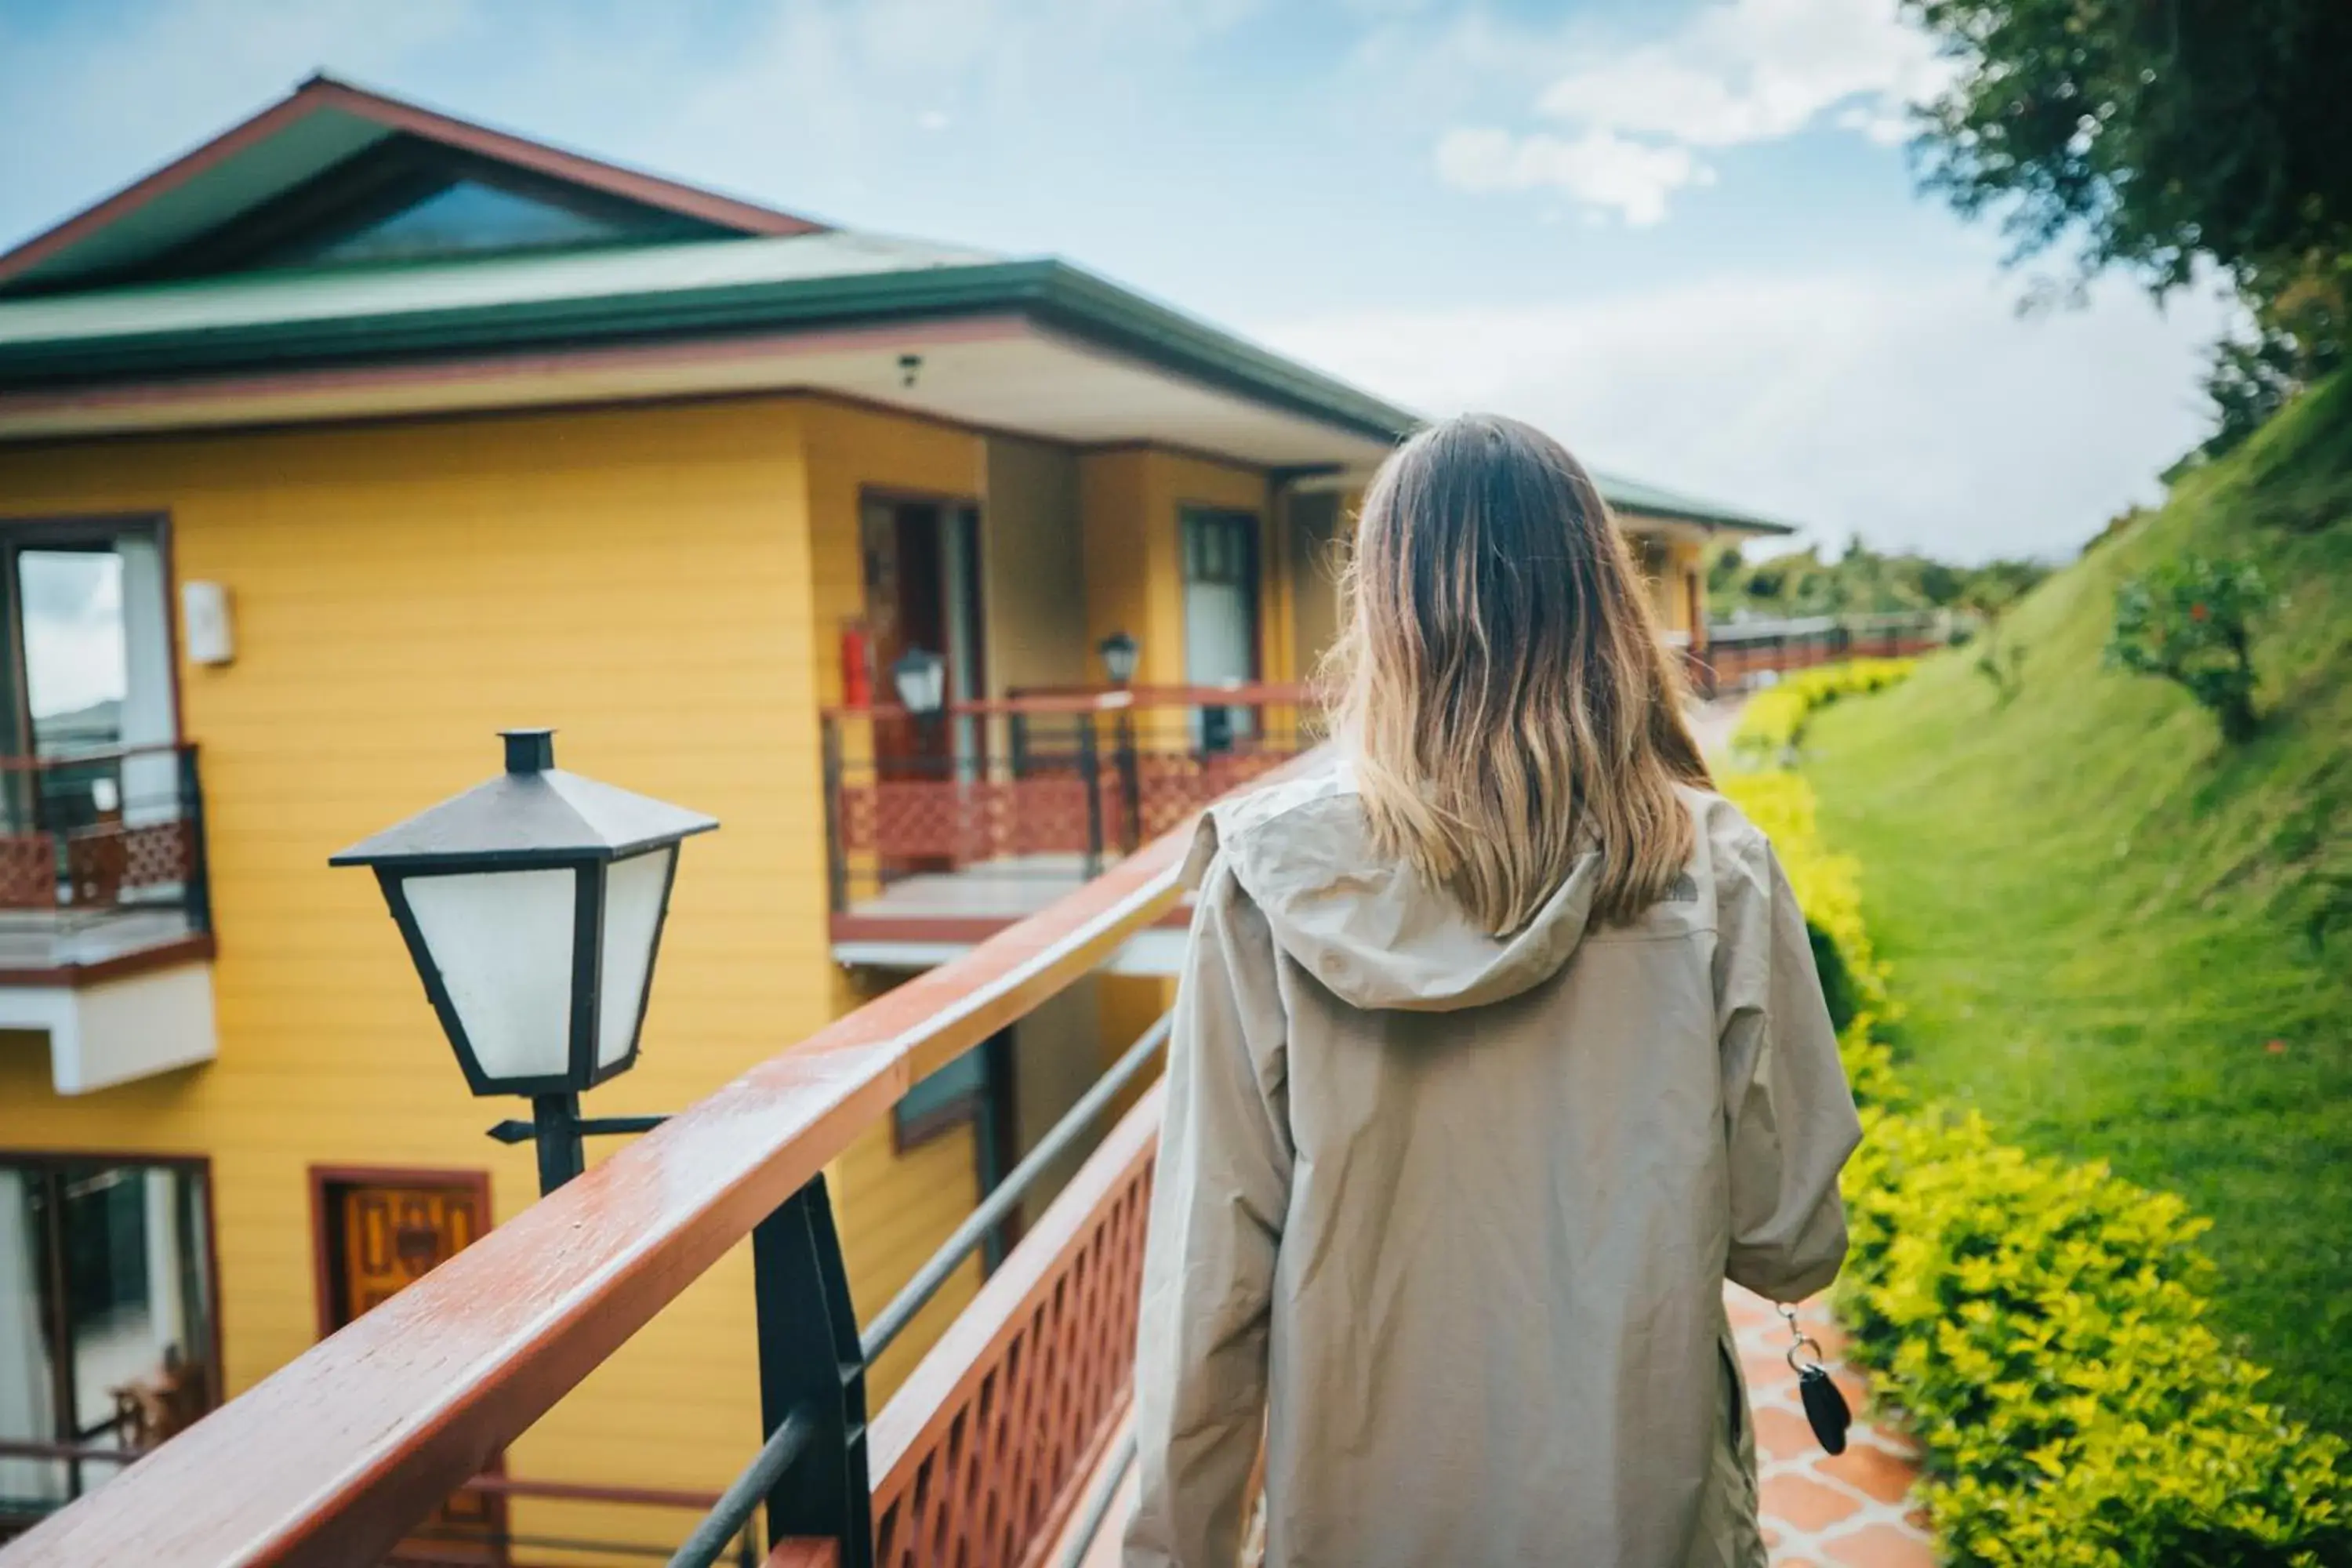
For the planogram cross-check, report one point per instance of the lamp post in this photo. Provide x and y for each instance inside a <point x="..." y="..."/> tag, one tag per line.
<point x="921" y="677"/>
<point x="532" y="906"/>
<point x="1120" y="653"/>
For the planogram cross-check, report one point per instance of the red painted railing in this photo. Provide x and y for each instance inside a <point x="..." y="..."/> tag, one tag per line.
<point x="335" y="1457"/>
<point x="92" y="833"/>
<point x="1736" y="653"/>
<point x="1082" y="775"/>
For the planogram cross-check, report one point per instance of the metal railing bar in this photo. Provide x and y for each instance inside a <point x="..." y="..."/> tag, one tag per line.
<point x="721" y="1526"/>
<point x="458" y="1536"/>
<point x="13" y="1449"/>
<point x="966" y="1238"/>
<point x="1098" y="1504"/>
<point x="588" y="1491"/>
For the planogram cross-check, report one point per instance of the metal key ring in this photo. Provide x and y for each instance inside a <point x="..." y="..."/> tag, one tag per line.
<point x="1802" y="1341"/>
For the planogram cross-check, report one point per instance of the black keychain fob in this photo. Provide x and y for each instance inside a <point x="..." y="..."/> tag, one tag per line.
<point x="1826" y="1408"/>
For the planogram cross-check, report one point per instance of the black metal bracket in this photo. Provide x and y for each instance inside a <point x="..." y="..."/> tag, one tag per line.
<point x="812" y="1369"/>
<point x="512" y="1132"/>
<point x="558" y="1128"/>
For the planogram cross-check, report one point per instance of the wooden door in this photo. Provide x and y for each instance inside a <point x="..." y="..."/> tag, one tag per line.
<point x="380" y="1237"/>
<point x="922" y="590"/>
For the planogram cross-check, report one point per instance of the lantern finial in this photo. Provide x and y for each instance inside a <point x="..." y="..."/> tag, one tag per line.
<point x="529" y="751"/>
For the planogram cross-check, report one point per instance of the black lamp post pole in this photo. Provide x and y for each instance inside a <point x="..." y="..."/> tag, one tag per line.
<point x="555" y="1127"/>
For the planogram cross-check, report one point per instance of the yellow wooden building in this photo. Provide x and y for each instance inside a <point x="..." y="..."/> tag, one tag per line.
<point x="380" y="431"/>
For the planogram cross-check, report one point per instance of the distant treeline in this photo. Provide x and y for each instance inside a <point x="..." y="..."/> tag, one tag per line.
<point x="1860" y="582"/>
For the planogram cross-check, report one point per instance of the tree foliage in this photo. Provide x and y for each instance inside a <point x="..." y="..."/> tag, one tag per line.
<point x="1862" y="581"/>
<point x="2191" y="621"/>
<point x="2149" y="132"/>
<point x="2154" y="135"/>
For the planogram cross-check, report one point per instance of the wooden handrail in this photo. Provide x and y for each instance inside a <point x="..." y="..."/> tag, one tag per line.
<point x="333" y="1457"/>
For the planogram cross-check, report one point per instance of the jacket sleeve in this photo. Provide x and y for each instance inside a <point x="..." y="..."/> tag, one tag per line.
<point x="1787" y="1114"/>
<point x="1218" y="1194"/>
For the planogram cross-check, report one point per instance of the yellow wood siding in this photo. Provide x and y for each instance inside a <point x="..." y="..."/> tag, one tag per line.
<point x="1131" y="498"/>
<point x="642" y="579"/>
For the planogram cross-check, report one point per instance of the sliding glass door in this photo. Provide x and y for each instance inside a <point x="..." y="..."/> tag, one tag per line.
<point x="106" y="1317"/>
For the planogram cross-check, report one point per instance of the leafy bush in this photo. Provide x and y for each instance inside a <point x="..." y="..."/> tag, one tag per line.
<point x="2190" y="622"/>
<point x="1828" y="890"/>
<point x="2043" y="1326"/>
<point x="2041" y="1323"/>
<point x="1773" y="722"/>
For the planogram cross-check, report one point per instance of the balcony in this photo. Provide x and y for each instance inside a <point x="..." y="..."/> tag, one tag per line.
<point x="1004" y="1446"/>
<point x="944" y="830"/>
<point x="1738" y="654"/>
<point x="105" y="916"/>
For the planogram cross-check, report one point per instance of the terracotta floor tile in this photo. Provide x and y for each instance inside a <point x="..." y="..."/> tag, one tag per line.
<point x="1873" y="1471"/>
<point x="1804" y="1503"/>
<point x="1783" y="1434"/>
<point x="1880" y="1546"/>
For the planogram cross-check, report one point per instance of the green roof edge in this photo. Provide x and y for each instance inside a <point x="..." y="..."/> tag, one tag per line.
<point x="1053" y="292"/>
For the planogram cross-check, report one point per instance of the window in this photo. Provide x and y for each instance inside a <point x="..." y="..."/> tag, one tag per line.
<point x="106" y="1314"/>
<point x="1221" y="623"/>
<point x="951" y="1096"/>
<point x="85" y="631"/>
<point x="976" y="1088"/>
<point x="468" y="215"/>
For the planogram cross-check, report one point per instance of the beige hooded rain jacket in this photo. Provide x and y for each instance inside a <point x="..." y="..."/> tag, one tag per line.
<point x="1446" y="1218"/>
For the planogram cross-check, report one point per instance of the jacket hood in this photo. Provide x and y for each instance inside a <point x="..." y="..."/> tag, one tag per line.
<point x="1365" y="925"/>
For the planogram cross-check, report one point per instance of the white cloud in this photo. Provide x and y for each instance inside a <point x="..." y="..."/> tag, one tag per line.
<point x="1597" y="168"/>
<point x="1917" y="412"/>
<point x="1751" y="70"/>
<point x="1734" y="73"/>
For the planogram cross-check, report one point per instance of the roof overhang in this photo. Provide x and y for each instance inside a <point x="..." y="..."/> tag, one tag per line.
<point x="1032" y="348"/>
<point x="1004" y="372"/>
<point x="1693" y="527"/>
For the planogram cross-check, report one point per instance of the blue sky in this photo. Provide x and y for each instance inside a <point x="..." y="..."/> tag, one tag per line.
<point x="1681" y="236"/>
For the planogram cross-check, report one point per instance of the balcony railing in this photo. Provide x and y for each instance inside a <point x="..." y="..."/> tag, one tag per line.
<point x="1000" y="1442"/>
<point x="1019" y="799"/>
<point x="1739" y="652"/>
<point x="101" y="857"/>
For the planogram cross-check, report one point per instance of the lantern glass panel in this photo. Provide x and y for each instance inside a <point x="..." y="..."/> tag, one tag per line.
<point x="503" y="941"/>
<point x="633" y="914"/>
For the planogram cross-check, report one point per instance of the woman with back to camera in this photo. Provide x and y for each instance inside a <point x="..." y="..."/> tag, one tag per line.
<point x="1498" y="1046"/>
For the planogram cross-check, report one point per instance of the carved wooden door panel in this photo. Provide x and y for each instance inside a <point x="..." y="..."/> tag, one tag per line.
<point x="394" y="1235"/>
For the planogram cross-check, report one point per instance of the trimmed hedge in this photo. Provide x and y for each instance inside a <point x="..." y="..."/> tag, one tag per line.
<point x="2041" y="1323"/>
<point x="2043" y="1326"/>
<point x="1773" y="722"/>
<point x="1828" y="890"/>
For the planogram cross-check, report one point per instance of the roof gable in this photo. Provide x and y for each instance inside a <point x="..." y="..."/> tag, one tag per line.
<point x="300" y="176"/>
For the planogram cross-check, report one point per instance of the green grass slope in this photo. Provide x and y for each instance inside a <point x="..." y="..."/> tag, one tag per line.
<point x="2099" y="915"/>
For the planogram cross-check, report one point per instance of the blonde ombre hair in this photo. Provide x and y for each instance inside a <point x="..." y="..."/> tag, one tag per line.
<point x="1499" y="683"/>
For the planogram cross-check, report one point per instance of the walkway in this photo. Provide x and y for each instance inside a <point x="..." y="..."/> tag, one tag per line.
<point x="1851" y="1511"/>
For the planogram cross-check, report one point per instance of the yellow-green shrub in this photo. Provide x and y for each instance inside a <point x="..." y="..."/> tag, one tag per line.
<point x="1828" y="890"/>
<point x="1774" y="720"/>
<point x="2043" y="1323"/>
